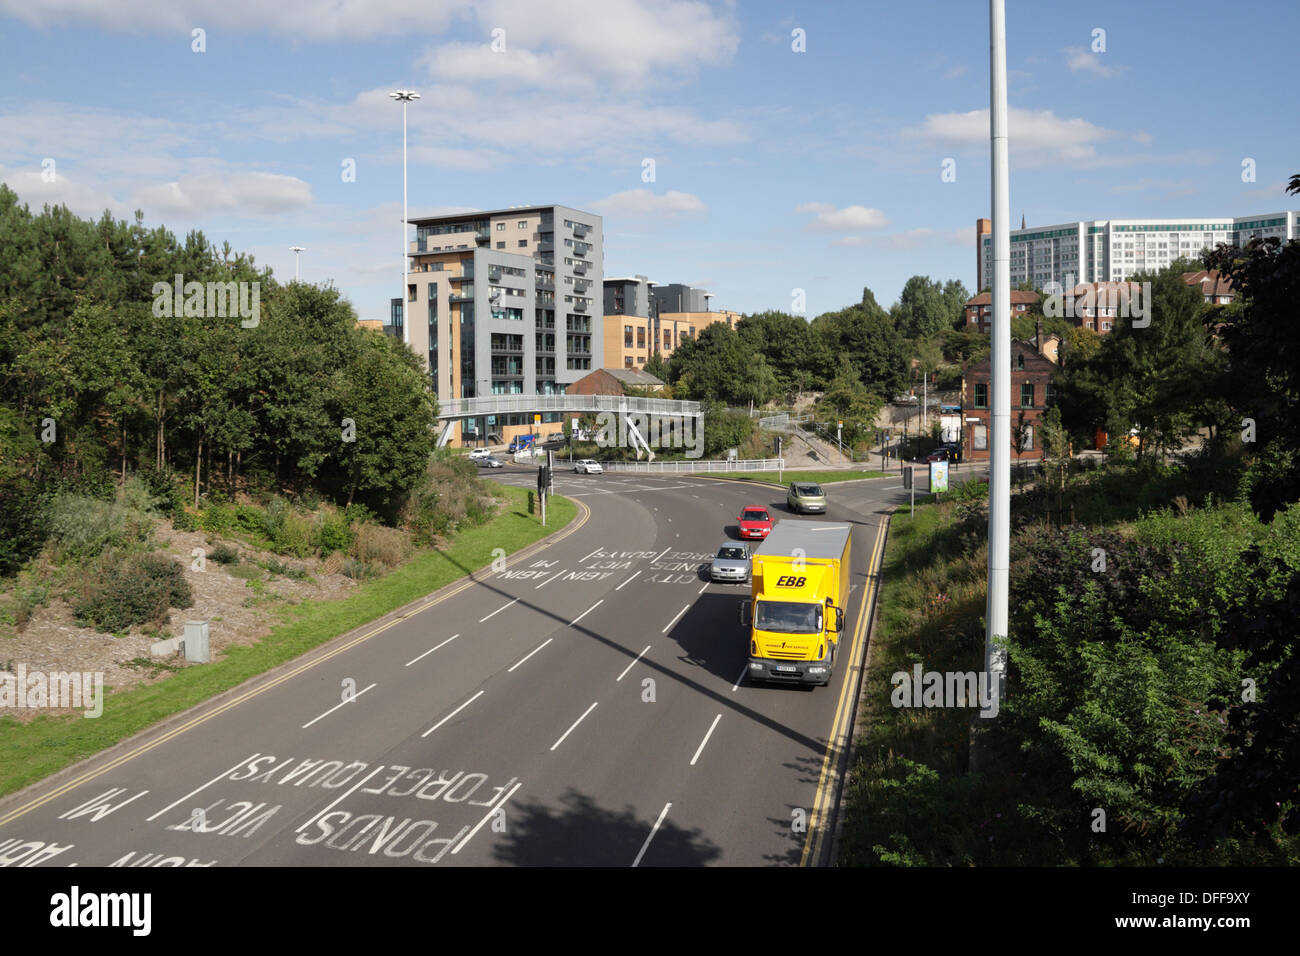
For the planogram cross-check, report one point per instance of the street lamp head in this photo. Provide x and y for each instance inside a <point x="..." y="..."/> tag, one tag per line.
<point x="297" y="248"/>
<point x="405" y="96"/>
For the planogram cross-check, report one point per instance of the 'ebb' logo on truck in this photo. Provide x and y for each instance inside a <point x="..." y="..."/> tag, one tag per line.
<point x="788" y="581"/>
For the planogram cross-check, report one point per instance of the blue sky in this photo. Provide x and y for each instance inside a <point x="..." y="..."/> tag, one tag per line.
<point x="773" y="170"/>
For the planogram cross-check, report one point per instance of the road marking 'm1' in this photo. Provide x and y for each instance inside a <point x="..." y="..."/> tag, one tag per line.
<point x="452" y="714"/>
<point x="653" y="830"/>
<point x="575" y="724"/>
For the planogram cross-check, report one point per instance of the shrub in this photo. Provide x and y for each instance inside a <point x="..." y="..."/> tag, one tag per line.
<point x="358" y="570"/>
<point x="24" y="523"/>
<point x="357" y="513"/>
<point x="225" y="554"/>
<point x="250" y="519"/>
<point x="85" y="526"/>
<point x="26" y="601"/>
<point x="183" y="520"/>
<point x="375" y="543"/>
<point x="245" y="572"/>
<point x="332" y="534"/>
<point x="165" y="487"/>
<point x="218" y="519"/>
<point x="293" y="536"/>
<point x="133" y="590"/>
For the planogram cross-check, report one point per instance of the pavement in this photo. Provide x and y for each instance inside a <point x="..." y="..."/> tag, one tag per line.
<point x="583" y="705"/>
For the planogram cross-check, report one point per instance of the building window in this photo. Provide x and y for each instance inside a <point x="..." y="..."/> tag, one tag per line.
<point x="1027" y="395"/>
<point x="980" y="438"/>
<point x="501" y="245"/>
<point x="627" y="361"/>
<point x="523" y="223"/>
<point x="627" y="336"/>
<point x="410" y="293"/>
<point x="523" y="243"/>
<point x="640" y="338"/>
<point x="501" y="227"/>
<point x="981" y="395"/>
<point x="1020" y="361"/>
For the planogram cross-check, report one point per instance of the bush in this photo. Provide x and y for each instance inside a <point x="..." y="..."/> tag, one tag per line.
<point x="225" y="554"/>
<point x="183" y="520"/>
<point x="26" y="601"/>
<point x="358" y="570"/>
<point x="85" y="526"/>
<point x="375" y="543"/>
<point x="24" y="523"/>
<point x="218" y="519"/>
<point x="165" y="487"/>
<point x="134" y="590"/>
<point x="250" y="519"/>
<point x="293" y="536"/>
<point x="332" y="534"/>
<point x="246" y="572"/>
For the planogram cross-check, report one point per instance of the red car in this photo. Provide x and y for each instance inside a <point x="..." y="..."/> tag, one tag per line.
<point x="754" y="522"/>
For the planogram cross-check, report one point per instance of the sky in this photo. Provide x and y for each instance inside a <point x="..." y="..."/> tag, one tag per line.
<point x="752" y="149"/>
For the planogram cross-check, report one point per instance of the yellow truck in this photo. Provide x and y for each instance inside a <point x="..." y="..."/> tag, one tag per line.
<point x="800" y="596"/>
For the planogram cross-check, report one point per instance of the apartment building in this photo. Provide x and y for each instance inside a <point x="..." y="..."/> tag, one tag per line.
<point x="979" y="308"/>
<point x="1114" y="250"/>
<point x="504" y="302"/>
<point x="641" y="320"/>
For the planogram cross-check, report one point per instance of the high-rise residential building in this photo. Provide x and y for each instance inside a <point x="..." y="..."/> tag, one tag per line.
<point x="1114" y="250"/>
<point x="506" y="302"/>
<point x="641" y="320"/>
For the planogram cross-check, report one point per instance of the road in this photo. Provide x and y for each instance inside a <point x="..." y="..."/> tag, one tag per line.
<point x="583" y="706"/>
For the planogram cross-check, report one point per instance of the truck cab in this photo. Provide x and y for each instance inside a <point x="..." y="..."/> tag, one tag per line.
<point x="521" y="442"/>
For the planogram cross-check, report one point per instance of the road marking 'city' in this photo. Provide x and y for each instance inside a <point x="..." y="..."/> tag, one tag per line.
<point x="452" y="714"/>
<point x="653" y="830"/>
<point x="220" y="776"/>
<point x="627" y="582"/>
<point x="345" y="700"/>
<point x="575" y="724"/>
<point x="498" y="610"/>
<point x="700" y="750"/>
<point x="676" y="619"/>
<point x="431" y="650"/>
<point x="630" y="666"/>
<point x="529" y="654"/>
<point x="586" y="612"/>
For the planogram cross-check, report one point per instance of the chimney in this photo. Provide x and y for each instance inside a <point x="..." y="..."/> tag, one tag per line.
<point x="1038" y="336"/>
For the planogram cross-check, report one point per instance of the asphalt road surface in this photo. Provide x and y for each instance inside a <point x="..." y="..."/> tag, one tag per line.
<point x="582" y="706"/>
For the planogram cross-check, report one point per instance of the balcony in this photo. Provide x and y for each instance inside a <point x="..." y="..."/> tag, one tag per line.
<point x="580" y="229"/>
<point x="580" y="268"/>
<point x="581" y="285"/>
<point x="581" y="248"/>
<point x="545" y="285"/>
<point x="579" y="306"/>
<point x="459" y="297"/>
<point x="494" y="275"/>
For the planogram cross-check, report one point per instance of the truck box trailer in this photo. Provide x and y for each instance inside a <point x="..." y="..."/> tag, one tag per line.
<point x="799" y="600"/>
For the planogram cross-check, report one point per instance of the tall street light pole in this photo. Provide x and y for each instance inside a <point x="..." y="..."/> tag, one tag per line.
<point x="296" y="250"/>
<point x="404" y="97"/>
<point x="995" y="658"/>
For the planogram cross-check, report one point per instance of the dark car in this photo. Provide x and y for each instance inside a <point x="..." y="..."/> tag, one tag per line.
<point x="939" y="454"/>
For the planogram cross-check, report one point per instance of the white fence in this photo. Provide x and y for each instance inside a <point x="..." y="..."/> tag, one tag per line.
<point x="783" y="420"/>
<point x="697" y="466"/>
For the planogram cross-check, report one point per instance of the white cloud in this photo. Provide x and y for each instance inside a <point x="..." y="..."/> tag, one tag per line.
<point x="248" y="193"/>
<point x="1036" y="137"/>
<point x="642" y="202"/>
<point x="953" y="72"/>
<point x="849" y="241"/>
<point x="826" y="218"/>
<point x="1080" y="60"/>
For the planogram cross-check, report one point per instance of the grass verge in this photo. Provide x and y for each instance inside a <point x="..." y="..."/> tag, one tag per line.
<point x="32" y="751"/>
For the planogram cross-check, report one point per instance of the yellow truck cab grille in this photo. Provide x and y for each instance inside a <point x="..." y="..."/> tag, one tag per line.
<point x="786" y="653"/>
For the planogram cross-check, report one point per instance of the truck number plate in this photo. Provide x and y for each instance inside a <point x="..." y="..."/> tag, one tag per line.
<point x="787" y="667"/>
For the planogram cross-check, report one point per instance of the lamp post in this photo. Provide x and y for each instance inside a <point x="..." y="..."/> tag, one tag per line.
<point x="404" y="97"/>
<point x="296" y="250"/>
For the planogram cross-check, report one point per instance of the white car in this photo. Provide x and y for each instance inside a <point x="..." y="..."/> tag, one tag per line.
<point x="588" y="467"/>
<point x="478" y="453"/>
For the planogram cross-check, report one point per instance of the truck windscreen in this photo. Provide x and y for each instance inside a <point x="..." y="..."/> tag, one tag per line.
<point x="786" y="617"/>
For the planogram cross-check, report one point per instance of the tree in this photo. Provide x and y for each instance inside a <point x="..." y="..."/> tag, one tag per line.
<point x="868" y="338"/>
<point x="923" y="309"/>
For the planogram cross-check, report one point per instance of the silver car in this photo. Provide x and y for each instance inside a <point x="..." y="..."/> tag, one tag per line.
<point x="731" y="563"/>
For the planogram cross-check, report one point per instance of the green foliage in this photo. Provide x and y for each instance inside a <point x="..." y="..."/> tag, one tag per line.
<point x="725" y="429"/>
<point x="225" y="554"/>
<point x="82" y="527"/>
<point x="927" y="307"/>
<point x="24" y="523"/>
<point x="332" y="533"/>
<point x="218" y="519"/>
<point x="135" y="589"/>
<point x="450" y="497"/>
<point x="184" y="520"/>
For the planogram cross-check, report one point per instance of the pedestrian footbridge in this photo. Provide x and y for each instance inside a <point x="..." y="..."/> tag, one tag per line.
<point x="452" y="410"/>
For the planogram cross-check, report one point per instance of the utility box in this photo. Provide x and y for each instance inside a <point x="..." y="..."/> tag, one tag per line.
<point x="196" y="641"/>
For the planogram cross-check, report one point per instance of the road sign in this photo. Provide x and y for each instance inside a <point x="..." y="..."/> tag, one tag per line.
<point x="537" y="419"/>
<point x="907" y="477"/>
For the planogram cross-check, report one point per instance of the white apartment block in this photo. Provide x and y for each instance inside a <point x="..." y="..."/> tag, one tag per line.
<point x="1114" y="250"/>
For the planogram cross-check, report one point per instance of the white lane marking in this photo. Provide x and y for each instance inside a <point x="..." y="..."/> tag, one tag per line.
<point x="740" y="678"/>
<point x="432" y="649"/>
<point x="702" y="590"/>
<point x="653" y="830"/>
<point x="705" y="740"/>
<point x="529" y="654"/>
<point x="222" y="775"/>
<point x="627" y="582"/>
<point x="597" y="551"/>
<point x="452" y="714"/>
<point x="549" y="580"/>
<point x="347" y="700"/>
<point x="491" y="810"/>
<point x="630" y="666"/>
<point x="586" y="612"/>
<point x="575" y="724"/>
<point x="675" y="619"/>
<point x="340" y="798"/>
<point x="498" y="610"/>
<point x="662" y="553"/>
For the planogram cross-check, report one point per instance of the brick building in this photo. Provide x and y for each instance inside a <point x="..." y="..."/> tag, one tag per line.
<point x="979" y="309"/>
<point x="1031" y="384"/>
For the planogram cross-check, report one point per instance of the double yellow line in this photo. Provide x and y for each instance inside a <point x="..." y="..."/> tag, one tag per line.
<point x="116" y="762"/>
<point x="828" y="783"/>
